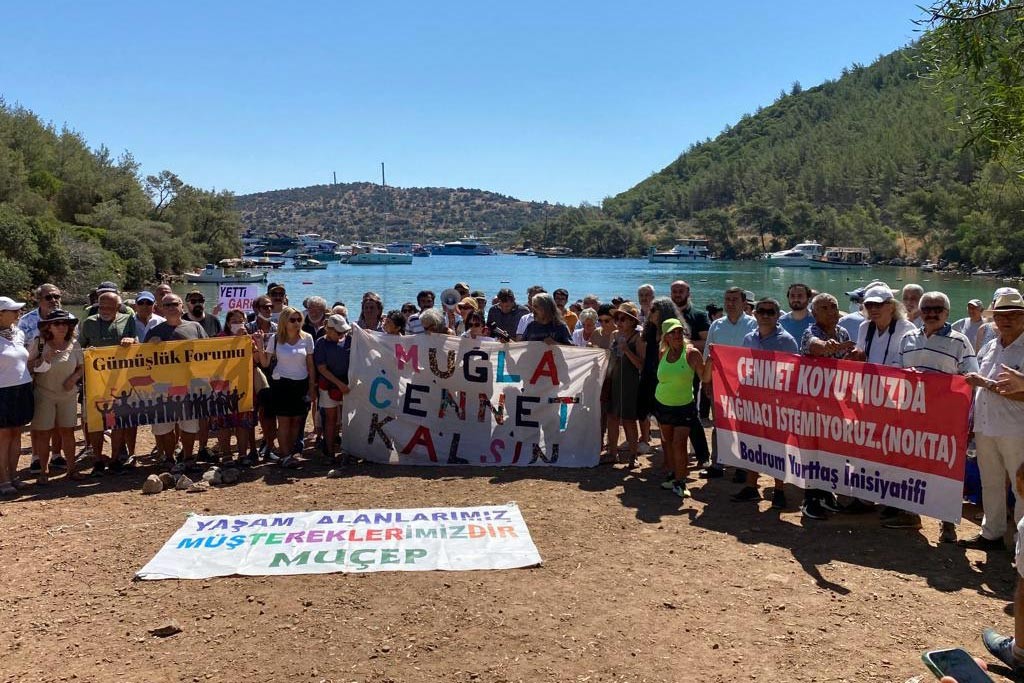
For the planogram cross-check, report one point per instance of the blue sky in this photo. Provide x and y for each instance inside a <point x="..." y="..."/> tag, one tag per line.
<point x="558" y="101"/>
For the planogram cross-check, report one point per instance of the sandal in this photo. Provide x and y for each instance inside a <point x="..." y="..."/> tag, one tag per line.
<point x="42" y="479"/>
<point x="18" y="484"/>
<point x="75" y="476"/>
<point x="607" y="458"/>
<point x="6" y="489"/>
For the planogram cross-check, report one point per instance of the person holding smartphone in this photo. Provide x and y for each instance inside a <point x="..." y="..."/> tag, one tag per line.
<point x="1010" y="384"/>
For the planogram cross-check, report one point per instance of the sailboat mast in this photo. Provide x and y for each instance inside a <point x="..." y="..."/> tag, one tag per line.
<point x="384" y="192"/>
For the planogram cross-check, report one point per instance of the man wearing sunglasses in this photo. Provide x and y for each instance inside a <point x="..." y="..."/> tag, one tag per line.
<point x="48" y="297"/>
<point x="769" y="336"/>
<point x="197" y="314"/>
<point x="935" y="347"/>
<point x="146" y="317"/>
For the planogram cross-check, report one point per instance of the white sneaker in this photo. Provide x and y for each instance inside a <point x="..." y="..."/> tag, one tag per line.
<point x="643" y="448"/>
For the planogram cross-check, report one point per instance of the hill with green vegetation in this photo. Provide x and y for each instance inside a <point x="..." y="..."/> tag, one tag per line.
<point x="357" y="211"/>
<point x="76" y="216"/>
<point x="873" y="159"/>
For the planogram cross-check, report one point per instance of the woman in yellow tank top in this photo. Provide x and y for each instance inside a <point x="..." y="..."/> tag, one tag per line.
<point x="675" y="407"/>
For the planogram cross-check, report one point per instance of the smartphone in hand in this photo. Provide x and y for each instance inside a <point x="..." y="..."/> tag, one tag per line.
<point x="957" y="663"/>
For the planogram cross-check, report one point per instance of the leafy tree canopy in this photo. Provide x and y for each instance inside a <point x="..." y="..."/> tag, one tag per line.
<point x="76" y="216"/>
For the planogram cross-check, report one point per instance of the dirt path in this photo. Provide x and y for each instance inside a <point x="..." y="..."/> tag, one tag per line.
<point x="635" y="586"/>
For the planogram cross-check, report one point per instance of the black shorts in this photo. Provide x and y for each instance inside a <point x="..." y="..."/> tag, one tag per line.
<point x="676" y="416"/>
<point x="17" y="404"/>
<point x="288" y="397"/>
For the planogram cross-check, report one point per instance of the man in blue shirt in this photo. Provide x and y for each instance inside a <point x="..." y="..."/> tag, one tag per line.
<point x="729" y="330"/>
<point x="769" y="336"/>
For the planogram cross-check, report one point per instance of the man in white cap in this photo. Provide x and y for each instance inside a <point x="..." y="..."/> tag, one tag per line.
<point x="331" y="356"/>
<point x="998" y="421"/>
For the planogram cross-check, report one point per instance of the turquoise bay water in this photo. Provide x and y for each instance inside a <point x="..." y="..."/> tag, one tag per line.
<point x="604" y="277"/>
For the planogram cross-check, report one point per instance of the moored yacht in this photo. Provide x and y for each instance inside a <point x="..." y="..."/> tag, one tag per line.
<point x="467" y="246"/>
<point x="797" y="256"/>
<point x="686" y="251"/>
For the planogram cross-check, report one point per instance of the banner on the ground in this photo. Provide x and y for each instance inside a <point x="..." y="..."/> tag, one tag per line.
<point x="322" y="542"/>
<point x="881" y="434"/>
<point x="158" y="382"/>
<point x="237" y="296"/>
<point x="431" y="399"/>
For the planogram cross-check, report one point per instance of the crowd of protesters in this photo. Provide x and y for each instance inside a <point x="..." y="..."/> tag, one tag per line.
<point x="659" y="372"/>
<point x="658" y="379"/>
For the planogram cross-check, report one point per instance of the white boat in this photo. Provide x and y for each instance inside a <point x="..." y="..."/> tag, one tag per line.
<point x="842" y="258"/>
<point x="306" y="263"/>
<point x="524" y="252"/>
<point x="797" y="256"/>
<point x="377" y="256"/>
<point x="928" y="267"/>
<point x="212" y="273"/>
<point x="684" y="252"/>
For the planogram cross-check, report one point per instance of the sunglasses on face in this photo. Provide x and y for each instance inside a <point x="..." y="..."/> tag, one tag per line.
<point x="143" y="303"/>
<point x="766" y="311"/>
<point x="52" y="297"/>
<point x="194" y="302"/>
<point x="264" y="307"/>
<point x="295" y="320"/>
<point x="171" y="304"/>
<point x="932" y="309"/>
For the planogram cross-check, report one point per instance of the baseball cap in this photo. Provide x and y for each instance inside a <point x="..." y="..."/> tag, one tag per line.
<point x="107" y="286"/>
<point x="9" y="304"/>
<point x="975" y="302"/>
<point x="878" y="294"/>
<point x="670" y="325"/>
<point x="275" y="285"/>
<point x="146" y="296"/>
<point x="338" y="322"/>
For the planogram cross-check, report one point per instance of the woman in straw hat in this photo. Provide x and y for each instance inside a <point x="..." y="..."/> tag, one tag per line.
<point x="56" y="362"/>
<point x="627" y="360"/>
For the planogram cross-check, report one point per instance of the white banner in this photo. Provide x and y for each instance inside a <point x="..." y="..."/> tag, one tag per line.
<point x="431" y="399"/>
<point x="237" y="296"/>
<point x="352" y="541"/>
<point x="899" y="487"/>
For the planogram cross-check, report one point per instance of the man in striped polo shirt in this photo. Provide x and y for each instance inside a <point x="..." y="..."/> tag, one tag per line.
<point x="934" y="347"/>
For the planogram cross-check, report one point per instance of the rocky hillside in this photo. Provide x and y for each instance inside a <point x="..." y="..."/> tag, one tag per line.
<point x="350" y="211"/>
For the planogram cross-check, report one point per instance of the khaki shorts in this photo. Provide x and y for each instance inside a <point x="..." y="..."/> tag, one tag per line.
<point x="50" y="414"/>
<point x="190" y="426"/>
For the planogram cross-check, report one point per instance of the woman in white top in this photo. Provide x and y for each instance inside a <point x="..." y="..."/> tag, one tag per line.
<point x="289" y="357"/>
<point x="584" y="336"/>
<point x="880" y="335"/>
<point x="16" y="401"/>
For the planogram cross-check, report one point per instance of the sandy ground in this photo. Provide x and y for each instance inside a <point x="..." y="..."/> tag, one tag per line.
<point x="636" y="585"/>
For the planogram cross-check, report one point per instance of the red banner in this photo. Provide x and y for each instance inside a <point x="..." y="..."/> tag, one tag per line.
<point x="874" y="432"/>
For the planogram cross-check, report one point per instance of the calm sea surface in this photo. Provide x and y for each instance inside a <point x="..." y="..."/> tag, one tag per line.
<point x="604" y="277"/>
